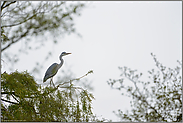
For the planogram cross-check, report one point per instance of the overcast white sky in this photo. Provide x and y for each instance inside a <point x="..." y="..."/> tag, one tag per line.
<point x="115" y="34"/>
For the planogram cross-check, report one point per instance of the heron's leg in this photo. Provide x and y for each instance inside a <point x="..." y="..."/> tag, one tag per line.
<point x="52" y="82"/>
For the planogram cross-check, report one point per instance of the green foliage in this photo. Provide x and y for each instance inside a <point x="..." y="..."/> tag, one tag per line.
<point x="35" y="21"/>
<point x="25" y="100"/>
<point x="26" y="21"/>
<point x="23" y="19"/>
<point x="25" y="83"/>
<point x="22" y="98"/>
<point x="159" y="99"/>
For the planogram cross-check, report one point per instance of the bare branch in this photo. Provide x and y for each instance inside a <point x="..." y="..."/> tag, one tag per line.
<point x="9" y="101"/>
<point x="75" y="79"/>
<point x="2" y="7"/>
<point x="15" y="98"/>
<point x="7" y="93"/>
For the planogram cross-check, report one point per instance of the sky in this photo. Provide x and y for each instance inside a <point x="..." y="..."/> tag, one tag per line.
<point x="114" y="34"/>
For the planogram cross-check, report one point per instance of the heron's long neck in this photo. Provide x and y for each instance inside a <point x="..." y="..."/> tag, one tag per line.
<point x="61" y="63"/>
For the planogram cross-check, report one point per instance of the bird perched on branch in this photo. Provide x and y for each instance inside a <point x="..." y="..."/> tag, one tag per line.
<point x="53" y="69"/>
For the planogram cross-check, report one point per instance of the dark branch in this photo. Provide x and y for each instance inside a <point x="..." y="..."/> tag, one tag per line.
<point x="7" y="93"/>
<point x="2" y="7"/>
<point x="13" y="94"/>
<point x="9" y="101"/>
<point x="15" y="98"/>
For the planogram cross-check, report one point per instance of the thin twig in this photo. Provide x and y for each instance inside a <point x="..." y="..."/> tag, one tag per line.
<point x="75" y="79"/>
<point x="140" y="97"/>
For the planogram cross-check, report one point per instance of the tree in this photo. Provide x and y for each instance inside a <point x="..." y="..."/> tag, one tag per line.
<point x="25" y="20"/>
<point x="159" y="99"/>
<point x="22" y="98"/>
<point x="25" y="100"/>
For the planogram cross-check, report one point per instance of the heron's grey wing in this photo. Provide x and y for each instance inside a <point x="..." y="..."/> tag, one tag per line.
<point x="51" y="71"/>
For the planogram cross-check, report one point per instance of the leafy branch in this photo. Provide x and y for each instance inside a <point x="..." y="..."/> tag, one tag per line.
<point x="160" y="101"/>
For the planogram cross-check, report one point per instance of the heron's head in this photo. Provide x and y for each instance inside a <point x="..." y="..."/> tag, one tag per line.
<point x="64" y="54"/>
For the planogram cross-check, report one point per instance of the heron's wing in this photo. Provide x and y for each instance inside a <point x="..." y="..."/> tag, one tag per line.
<point x="51" y="71"/>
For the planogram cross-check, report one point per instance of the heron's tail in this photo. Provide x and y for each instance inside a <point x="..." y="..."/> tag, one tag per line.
<point x="44" y="79"/>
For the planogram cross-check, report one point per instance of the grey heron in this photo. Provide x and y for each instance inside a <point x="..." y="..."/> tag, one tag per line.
<point x="53" y="69"/>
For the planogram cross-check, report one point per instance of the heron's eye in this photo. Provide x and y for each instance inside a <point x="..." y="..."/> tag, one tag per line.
<point x="63" y="53"/>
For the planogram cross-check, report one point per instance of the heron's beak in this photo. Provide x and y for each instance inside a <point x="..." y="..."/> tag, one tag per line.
<point x="67" y="53"/>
